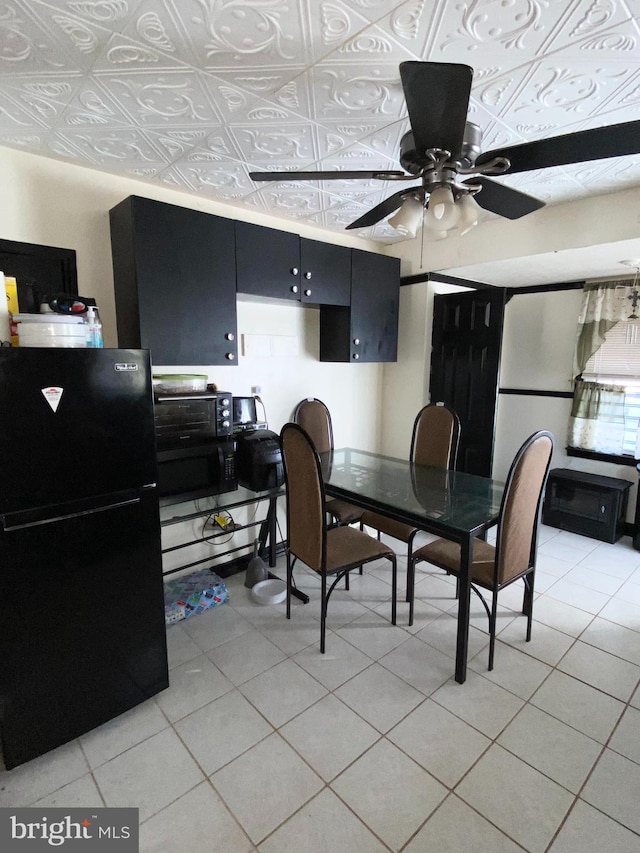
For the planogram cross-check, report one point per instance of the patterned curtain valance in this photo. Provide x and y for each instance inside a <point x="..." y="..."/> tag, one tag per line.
<point x="604" y="304"/>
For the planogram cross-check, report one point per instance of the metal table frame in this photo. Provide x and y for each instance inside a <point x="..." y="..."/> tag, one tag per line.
<point x="463" y="507"/>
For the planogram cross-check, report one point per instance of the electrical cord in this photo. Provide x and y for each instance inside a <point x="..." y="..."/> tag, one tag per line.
<point x="264" y="409"/>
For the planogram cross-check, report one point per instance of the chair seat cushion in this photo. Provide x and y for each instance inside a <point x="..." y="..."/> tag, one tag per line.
<point x="397" y="529"/>
<point x="446" y="555"/>
<point x="349" y="547"/>
<point x="346" y="513"/>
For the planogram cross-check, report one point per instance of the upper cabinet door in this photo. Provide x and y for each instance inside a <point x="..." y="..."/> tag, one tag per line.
<point x="325" y="273"/>
<point x="375" y="298"/>
<point x="367" y="330"/>
<point x="174" y="280"/>
<point x="267" y="261"/>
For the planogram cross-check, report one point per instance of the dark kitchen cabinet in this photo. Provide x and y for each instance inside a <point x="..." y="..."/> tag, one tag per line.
<point x="325" y="271"/>
<point x="283" y="265"/>
<point x="367" y="329"/>
<point x="174" y="280"/>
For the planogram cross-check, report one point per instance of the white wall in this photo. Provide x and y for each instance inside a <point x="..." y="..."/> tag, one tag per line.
<point x="537" y="353"/>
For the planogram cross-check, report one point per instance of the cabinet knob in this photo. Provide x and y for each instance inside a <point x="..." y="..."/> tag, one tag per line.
<point x="307" y="293"/>
<point x="356" y="356"/>
<point x="225" y="402"/>
<point x="307" y="275"/>
<point x="294" y="271"/>
<point x="225" y="413"/>
<point x="356" y="341"/>
<point x="230" y="356"/>
<point x="225" y="423"/>
<point x="229" y="336"/>
<point x="294" y="288"/>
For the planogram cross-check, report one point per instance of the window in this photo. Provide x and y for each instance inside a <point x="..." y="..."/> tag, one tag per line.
<point x="617" y="362"/>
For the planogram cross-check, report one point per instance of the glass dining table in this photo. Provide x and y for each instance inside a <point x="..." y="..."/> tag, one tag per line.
<point x="451" y="504"/>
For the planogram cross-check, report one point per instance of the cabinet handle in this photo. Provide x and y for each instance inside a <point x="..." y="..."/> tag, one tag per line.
<point x="229" y="336"/>
<point x="294" y="288"/>
<point x="230" y="356"/>
<point x="307" y="275"/>
<point x="356" y="356"/>
<point x="307" y="293"/>
<point x="295" y="271"/>
<point x="356" y="341"/>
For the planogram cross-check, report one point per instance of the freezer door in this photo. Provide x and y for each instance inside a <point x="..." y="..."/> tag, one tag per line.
<point x="82" y="634"/>
<point x="74" y="423"/>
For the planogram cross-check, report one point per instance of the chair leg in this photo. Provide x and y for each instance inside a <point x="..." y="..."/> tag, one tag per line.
<point x="323" y="612"/>
<point x="492" y="627"/>
<point x="527" y="602"/>
<point x="394" y="588"/>
<point x="289" y="582"/>
<point x="411" y="578"/>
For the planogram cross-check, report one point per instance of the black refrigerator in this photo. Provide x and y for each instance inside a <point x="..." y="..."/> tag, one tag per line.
<point x="82" y="634"/>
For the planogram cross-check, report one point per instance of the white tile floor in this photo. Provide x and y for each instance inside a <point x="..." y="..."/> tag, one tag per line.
<point x="261" y="743"/>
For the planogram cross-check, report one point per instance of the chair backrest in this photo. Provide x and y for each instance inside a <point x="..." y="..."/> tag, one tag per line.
<point x="520" y="511"/>
<point x="314" y="418"/>
<point x="305" y="496"/>
<point x="435" y="438"/>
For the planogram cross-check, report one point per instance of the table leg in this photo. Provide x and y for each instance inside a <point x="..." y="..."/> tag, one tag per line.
<point x="464" y="606"/>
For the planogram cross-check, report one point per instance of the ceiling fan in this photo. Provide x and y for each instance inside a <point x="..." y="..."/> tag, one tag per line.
<point x="443" y="150"/>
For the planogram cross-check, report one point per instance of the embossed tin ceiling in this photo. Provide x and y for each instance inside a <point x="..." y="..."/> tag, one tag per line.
<point x="193" y="94"/>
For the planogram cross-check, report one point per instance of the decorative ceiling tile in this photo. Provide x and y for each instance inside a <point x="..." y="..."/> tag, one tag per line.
<point x="561" y="92"/>
<point x="488" y="32"/>
<point x="215" y="177"/>
<point x="42" y="97"/>
<point x="265" y="142"/>
<point x="360" y="92"/>
<point x="597" y="28"/>
<point x="162" y="99"/>
<point x="240" y="34"/>
<point x="195" y="94"/>
<point x="126" y="148"/>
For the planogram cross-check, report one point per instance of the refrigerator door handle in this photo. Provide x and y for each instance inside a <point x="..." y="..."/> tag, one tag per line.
<point x="52" y="519"/>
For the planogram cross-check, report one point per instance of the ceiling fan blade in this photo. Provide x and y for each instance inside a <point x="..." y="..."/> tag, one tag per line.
<point x="504" y="200"/>
<point x="598" y="143"/>
<point x="324" y="176"/>
<point x="437" y="96"/>
<point x="382" y="210"/>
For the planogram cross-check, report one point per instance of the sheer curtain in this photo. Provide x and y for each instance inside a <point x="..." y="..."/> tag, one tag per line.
<point x="597" y="414"/>
<point x="597" y="417"/>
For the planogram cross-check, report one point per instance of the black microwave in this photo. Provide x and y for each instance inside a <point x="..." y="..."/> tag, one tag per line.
<point x="195" y="470"/>
<point x="195" y="450"/>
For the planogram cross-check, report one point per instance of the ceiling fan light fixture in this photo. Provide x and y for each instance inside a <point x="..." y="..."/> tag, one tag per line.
<point x="442" y="213"/>
<point x="469" y="213"/>
<point x="408" y="218"/>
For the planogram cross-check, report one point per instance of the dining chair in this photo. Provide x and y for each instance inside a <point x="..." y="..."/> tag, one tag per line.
<point x="434" y="441"/>
<point x="314" y="417"/>
<point x="514" y="554"/>
<point x="329" y="551"/>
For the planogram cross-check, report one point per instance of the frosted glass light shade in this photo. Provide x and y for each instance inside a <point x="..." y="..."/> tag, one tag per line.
<point x="408" y="217"/>
<point x="442" y="212"/>
<point x="469" y="213"/>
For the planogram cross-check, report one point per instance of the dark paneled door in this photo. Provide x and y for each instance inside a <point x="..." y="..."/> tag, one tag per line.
<point x="465" y="365"/>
